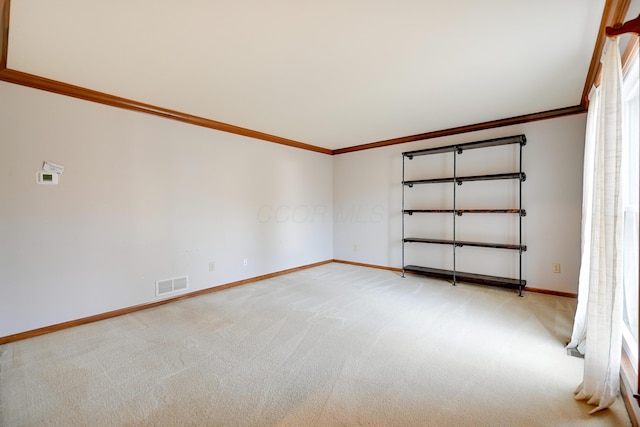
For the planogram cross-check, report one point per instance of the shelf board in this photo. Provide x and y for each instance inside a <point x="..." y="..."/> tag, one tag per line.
<point x="516" y="139"/>
<point x="461" y="243"/>
<point x="460" y="179"/>
<point x="522" y="212"/>
<point x="428" y="181"/>
<point x="514" y="175"/>
<point x="466" y="277"/>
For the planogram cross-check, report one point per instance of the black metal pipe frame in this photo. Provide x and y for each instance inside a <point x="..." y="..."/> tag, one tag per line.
<point x="402" y="213"/>
<point x="520" y="225"/>
<point x="455" y="182"/>
<point x="453" y="275"/>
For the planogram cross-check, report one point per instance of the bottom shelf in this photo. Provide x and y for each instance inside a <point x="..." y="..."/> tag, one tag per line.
<point x="466" y="277"/>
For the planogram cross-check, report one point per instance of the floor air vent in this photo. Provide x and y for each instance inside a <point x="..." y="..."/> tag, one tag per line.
<point x="168" y="286"/>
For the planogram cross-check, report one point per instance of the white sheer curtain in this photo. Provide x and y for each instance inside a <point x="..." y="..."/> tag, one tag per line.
<point x="597" y="331"/>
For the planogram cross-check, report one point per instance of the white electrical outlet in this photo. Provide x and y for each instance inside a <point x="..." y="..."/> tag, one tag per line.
<point x="555" y="267"/>
<point x="212" y="266"/>
<point x="245" y="262"/>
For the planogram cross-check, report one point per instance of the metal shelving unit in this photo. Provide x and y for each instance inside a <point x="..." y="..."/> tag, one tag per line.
<point x="454" y="275"/>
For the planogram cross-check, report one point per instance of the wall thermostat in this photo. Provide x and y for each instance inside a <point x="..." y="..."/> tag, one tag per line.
<point x="44" y="177"/>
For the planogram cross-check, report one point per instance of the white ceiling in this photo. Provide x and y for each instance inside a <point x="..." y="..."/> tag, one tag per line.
<point x="331" y="73"/>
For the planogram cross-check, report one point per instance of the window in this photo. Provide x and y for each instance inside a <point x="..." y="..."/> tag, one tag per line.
<point x="630" y="177"/>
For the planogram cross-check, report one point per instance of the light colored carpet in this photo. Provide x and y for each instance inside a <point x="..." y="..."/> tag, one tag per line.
<point x="335" y="345"/>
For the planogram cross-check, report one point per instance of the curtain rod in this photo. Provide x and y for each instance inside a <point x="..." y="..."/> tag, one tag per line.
<point x="632" y="26"/>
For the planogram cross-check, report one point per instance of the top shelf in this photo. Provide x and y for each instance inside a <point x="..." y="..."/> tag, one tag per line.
<point x="516" y="139"/>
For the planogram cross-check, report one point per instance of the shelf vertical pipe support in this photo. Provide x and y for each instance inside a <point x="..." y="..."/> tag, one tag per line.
<point x="403" y="159"/>
<point x="520" y="224"/>
<point x="455" y="184"/>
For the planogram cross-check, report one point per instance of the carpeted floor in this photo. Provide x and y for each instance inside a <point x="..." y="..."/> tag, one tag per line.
<point x="336" y="345"/>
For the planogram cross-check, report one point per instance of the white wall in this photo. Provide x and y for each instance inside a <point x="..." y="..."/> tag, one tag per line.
<point x="142" y="198"/>
<point x="368" y="194"/>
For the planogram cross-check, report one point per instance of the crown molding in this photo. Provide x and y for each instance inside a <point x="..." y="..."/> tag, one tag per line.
<point x="551" y="114"/>
<point x="614" y="13"/>
<point x="37" y="82"/>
